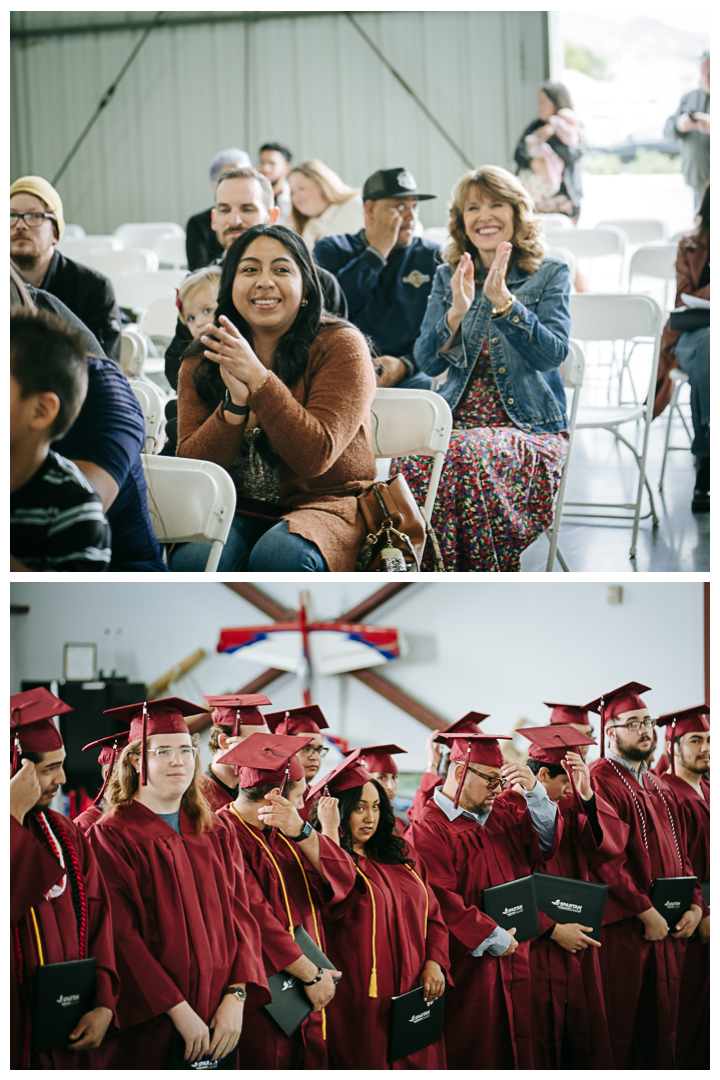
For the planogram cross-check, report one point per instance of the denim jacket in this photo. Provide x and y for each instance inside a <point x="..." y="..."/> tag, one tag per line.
<point x="527" y="346"/>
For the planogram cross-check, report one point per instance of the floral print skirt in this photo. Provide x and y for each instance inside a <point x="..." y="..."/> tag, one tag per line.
<point x="495" y="496"/>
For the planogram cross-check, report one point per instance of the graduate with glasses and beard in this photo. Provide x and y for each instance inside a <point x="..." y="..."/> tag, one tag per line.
<point x="642" y="956"/>
<point x="470" y="842"/>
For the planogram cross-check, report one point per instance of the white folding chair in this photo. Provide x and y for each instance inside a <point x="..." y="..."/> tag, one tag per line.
<point x="597" y="244"/>
<point x="136" y="290"/>
<point x="160" y="319"/>
<point x="612" y="318"/>
<point x="637" y="230"/>
<point x="566" y="256"/>
<point x="170" y="250"/>
<point x="408" y="422"/>
<point x="130" y="260"/>
<point x="679" y="379"/>
<point x="80" y="248"/>
<point x="190" y="501"/>
<point x="572" y="370"/>
<point x="655" y="261"/>
<point x="438" y="234"/>
<point x="153" y="407"/>
<point x="73" y="232"/>
<point x="146" y="233"/>
<point x="133" y="352"/>
<point x="555" y="222"/>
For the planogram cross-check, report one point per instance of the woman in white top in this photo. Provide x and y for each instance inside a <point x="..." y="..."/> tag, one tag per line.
<point x="322" y="204"/>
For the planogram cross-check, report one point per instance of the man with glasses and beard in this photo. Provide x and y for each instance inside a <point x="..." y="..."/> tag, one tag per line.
<point x="470" y="842"/>
<point x="641" y="956"/>
<point x="688" y="746"/>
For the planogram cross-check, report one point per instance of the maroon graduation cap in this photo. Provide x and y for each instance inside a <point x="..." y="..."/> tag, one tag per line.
<point x="298" y="721"/>
<point x="238" y="710"/>
<point x="478" y="749"/>
<point x="567" y="714"/>
<point x="110" y="748"/>
<point x="266" y="759"/>
<point x="469" y="724"/>
<point x="377" y="759"/>
<point x="165" y="716"/>
<point x="32" y="730"/>
<point x="625" y="698"/>
<point x="551" y="744"/>
<point x="349" y="773"/>
<point x="683" y="722"/>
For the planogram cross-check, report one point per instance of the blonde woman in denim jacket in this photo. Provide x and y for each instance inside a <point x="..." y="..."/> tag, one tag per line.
<point x="498" y="324"/>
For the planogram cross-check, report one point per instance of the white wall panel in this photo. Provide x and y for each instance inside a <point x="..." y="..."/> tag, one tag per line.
<point x="312" y="82"/>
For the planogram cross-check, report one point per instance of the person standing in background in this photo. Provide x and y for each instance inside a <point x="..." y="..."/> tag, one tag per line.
<point x="691" y="124"/>
<point x="275" y="163"/>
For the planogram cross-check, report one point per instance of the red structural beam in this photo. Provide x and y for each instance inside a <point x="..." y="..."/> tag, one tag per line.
<point x="262" y="601"/>
<point x="398" y="697"/>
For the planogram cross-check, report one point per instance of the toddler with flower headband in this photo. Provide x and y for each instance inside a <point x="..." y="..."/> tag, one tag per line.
<point x="197" y="299"/>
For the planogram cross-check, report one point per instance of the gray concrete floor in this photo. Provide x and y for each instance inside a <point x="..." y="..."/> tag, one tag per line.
<point x="601" y="468"/>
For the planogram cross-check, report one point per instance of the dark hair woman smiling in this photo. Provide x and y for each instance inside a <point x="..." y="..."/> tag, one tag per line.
<point x="279" y="394"/>
<point x="388" y="931"/>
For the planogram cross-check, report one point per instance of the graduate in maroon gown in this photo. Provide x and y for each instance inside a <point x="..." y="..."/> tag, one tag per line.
<point x="642" y="956"/>
<point x="299" y="874"/>
<point x="382" y="767"/>
<point x="574" y="715"/>
<point x="569" y="1024"/>
<point x="190" y="947"/>
<point x="388" y="936"/>
<point x="111" y="746"/>
<point x="59" y="908"/>
<point x="688" y="734"/>
<point x="469" y="843"/>
<point x="235" y="717"/>
<point x="305" y="722"/>
<point x="432" y="777"/>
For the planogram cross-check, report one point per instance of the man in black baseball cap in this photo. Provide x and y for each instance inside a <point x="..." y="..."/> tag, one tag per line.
<point x="386" y="273"/>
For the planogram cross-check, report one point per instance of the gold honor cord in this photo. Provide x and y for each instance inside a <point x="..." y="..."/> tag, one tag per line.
<point x="372" y="991"/>
<point x="312" y="909"/>
<point x="37" y="936"/>
<point x="427" y="898"/>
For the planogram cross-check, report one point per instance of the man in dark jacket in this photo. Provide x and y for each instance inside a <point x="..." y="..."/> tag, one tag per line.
<point x="386" y="273"/>
<point x="691" y="124"/>
<point x="36" y="226"/>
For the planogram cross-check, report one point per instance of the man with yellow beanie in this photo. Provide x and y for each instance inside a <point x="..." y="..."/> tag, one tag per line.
<point x="36" y="226"/>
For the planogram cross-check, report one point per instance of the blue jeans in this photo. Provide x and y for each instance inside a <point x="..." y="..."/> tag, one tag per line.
<point x="693" y="352"/>
<point x="255" y="545"/>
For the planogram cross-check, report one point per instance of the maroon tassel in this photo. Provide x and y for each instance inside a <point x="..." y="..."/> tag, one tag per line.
<point x="456" y="800"/>
<point x="143" y="747"/>
<point x="672" y="748"/>
<point x="101" y="792"/>
<point x="602" y="727"/>
<point x="236" y="729"/>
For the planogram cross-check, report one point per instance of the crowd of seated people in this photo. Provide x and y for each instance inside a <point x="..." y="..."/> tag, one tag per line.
<point x="304" y="294"/>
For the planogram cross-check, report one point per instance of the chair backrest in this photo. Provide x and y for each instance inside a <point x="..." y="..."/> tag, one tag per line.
<point x="555" y="222"/>
<point x="130" y="260"/>
<point x="595" y="243"/>
<point x="73" y="232"/>
<point x="412" y="422"/>
<point x="614" y="317"/>
<point x="190" y="500"/>
<point x="567" y="257"/>
<point x="572" y="368"/>
<point x="133" y="352"/>
<point x="153" y="409"/>
<point x="638" y="230"/>
<point x="79" y="248"/>
<point x="437" y="234"/>
<point x="136" y="290"/>
<point x="160" y="318"/>
<point x="170" y="249"/>
<point x="146" y="233"/>
<point x="655" y="261"/>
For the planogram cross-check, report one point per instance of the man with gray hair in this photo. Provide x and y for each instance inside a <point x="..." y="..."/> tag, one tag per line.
<point x="201" y="244"/>
<point x="691" y="124"/>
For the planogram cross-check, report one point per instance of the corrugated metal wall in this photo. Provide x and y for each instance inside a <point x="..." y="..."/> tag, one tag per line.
<point x="311" y="82"/>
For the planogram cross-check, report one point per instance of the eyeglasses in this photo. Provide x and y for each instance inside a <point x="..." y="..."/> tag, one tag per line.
<point x="33" y="221"/>
<point x="167" y="753"/>
<point x="321" y="751"/>
<point x="493" y="782"/>
<point x="635" y="725"/>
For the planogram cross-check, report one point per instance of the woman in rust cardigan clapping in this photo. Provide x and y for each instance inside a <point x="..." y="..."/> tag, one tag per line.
<point x="279" y="394"/>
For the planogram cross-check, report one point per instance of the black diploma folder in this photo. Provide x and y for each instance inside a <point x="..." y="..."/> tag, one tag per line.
<point x="570" y="900"/>
<point x="672" y="897"/>
<point x="290" y="1004"/>
<point x="63" y="994"/>
<point x="413" y="1024"/>
<point x="514" y="904"/>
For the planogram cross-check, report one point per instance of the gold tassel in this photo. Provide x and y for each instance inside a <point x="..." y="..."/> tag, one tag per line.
<point x="372" y="992"/>
<point x="324" y="1026"/>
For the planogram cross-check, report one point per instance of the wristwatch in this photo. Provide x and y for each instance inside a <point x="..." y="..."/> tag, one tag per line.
<point x="230" y="406"/>
<point x="239" y="992"/>
<point x="303" y="834"/>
